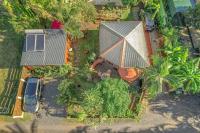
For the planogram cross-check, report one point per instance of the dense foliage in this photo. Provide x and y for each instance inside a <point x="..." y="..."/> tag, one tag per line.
<point x="39" y="14"/>
<point x="51" y="71"/>
<point x="176" y="67"/>
<point x="130" y="2"/>
<point x="113" y="98"/>
<point x="192" y="17"/>
<point x="108" y="98"/>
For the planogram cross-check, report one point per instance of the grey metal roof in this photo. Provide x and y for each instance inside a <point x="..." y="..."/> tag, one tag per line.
<point x="132" y="52"/>
<point x="54" y="52"/>
<point x="121" y="28"/>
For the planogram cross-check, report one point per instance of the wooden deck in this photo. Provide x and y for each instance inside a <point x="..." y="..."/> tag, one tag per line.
<point x="18" y="112"/>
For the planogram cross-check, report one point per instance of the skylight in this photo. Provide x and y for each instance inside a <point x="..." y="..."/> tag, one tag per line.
<point x="35" y="42"/>
<point x="40" y="42"/>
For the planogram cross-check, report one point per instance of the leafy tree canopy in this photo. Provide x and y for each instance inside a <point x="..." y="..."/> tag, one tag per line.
<point x="192" y="17"/>
<point x="39" y="13"/>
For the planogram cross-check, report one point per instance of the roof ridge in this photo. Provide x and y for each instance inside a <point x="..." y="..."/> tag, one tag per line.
<point x="117" y="33"/>
<point x="118" y="22"/>
<point x="133" y="29"/>
<point x="127" y="43"/>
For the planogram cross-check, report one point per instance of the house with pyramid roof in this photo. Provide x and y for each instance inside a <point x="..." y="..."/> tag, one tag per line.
<point x="123" y="44"/>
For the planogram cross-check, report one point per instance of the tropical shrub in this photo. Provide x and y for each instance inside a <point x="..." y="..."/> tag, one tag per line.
<point x="156" y="75"/>
<point x="74" y="84"/>
<point x="176" y="68"/>
<point x="114" y="98"/>
<point x="192" y="17"/>
<point x="108" y="98"/>
<point x="68" y="92"/>
<point x="187" y="76"/>
<point x="51" y="71"/>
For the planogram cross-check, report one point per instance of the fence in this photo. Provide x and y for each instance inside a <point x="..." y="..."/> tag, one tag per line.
<point x="7" y="97"/>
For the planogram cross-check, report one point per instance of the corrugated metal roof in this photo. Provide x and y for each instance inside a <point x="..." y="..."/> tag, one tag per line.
<point x="121" y="28"/>
<point x="134" y="59"/>
<point x="137" y="40"/>
<point x="133" y="52"/>
<point x="108" y="38"/>
<point x="54" y="53"/>
<point x="115" y="56"/>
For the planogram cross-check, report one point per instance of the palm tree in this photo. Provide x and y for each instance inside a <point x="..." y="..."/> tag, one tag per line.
<point x="175" y="68"/>
<point x="156" y="75"/>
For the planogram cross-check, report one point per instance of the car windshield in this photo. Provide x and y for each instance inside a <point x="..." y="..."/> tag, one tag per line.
<point x="30" y="100"/>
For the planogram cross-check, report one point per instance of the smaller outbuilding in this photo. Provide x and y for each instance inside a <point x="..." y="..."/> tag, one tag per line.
<point x="45" y="47"/>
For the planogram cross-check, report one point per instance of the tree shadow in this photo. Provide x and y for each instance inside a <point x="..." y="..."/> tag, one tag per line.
<point x="10" y="41"/>
<point x="167" y="128"/>
<point x="163" y="128"/>
<point x="10" y="55"/>
<point x="19" y="128"/>
<point x="185" y="110"/>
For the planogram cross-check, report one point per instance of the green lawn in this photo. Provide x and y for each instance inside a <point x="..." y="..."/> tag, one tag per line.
<point x="88" y="46"/>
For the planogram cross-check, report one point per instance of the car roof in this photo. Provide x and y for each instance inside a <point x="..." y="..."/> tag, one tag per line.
<point x="31" y="86"/>
<point x="32" y="80"/>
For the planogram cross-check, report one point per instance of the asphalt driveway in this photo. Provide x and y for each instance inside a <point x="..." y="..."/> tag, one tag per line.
<point x="50" y="110"/>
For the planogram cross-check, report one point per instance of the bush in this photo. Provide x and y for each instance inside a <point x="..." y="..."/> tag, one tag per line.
<point x="51" y="71"/>
<point x="109" y="98"/>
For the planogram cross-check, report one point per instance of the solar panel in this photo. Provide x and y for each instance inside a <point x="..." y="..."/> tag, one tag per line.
<point x="40" y="42"/>
<point x="30" y="42"/>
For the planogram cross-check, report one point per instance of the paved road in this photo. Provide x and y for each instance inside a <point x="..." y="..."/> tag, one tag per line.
<point x="164" y="115"/>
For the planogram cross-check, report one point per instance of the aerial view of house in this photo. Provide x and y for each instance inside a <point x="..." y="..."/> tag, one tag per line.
<point x="100" y="66"/>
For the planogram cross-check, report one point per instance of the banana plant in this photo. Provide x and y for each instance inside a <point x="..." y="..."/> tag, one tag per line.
<point x="156" y="75"/>
<point x="188" y="76"/>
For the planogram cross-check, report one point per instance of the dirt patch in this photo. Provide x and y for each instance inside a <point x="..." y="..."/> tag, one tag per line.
<point x="105" y="66"/>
